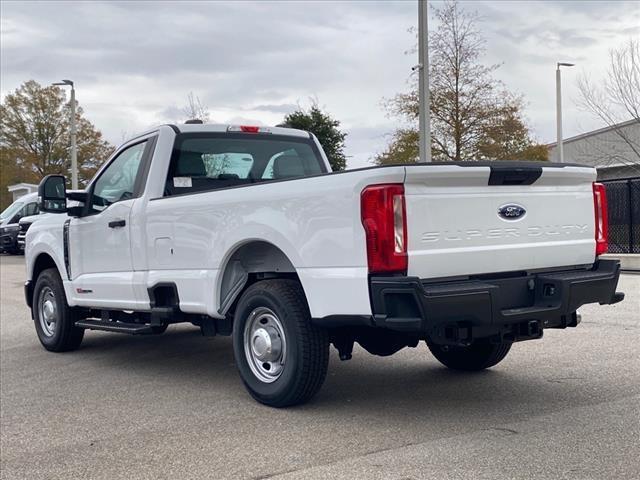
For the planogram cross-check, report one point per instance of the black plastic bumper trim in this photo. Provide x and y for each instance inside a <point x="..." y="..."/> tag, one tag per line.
<point x="514" y="175"/>
<point x="28" y="293"/>
<point x="409" y="304"/>
<point x="9" y="241"/>
<point x="335" y="321"/>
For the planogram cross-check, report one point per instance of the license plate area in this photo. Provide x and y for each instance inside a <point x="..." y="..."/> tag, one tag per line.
<point x="515" y="292"/>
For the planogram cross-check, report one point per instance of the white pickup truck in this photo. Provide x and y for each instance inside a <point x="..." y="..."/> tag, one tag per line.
<point x="245" y="231"/>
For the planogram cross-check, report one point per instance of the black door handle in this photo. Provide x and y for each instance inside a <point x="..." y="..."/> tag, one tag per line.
<point x="117" y="224"/>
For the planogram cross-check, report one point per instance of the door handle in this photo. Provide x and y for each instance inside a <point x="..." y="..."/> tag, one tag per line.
<point x="117" y="224"/>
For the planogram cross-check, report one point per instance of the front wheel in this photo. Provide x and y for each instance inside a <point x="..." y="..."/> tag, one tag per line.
<point x="479" y="355"/>
<point x="54" y="319"/>
<point x="282" y="358"/>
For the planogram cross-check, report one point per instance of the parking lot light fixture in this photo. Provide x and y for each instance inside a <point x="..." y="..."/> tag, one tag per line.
<point x="560" y="156"/>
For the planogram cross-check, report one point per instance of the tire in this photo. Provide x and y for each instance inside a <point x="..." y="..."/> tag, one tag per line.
<point x="158" y="329"/>
<point x="480" y="355"/>
<point x="50" y="303"/>
<point x="282" y="358"/>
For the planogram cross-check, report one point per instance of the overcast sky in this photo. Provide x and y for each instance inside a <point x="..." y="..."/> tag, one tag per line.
<point x="134" y="63"/>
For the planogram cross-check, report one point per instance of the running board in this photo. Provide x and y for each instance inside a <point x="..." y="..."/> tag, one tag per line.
<point x="112" y="326"/>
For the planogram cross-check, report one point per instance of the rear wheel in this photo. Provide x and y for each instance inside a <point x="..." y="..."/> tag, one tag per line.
<point x="282" y="358"/>
<point x="479" y="355"/>
<point x="54" y="319"/>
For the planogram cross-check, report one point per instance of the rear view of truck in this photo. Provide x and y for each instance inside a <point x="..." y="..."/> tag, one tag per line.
<point x="244" y="231"/>
<point x="486" y="255"/>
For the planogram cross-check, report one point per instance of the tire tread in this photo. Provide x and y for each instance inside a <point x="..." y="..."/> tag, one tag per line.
<point x="481" y="356"/>
<point x="313" y="343"/>
<point x="70" y="336"/>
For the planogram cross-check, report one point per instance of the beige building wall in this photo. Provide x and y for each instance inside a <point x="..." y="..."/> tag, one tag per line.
<point x="614" y="150"/>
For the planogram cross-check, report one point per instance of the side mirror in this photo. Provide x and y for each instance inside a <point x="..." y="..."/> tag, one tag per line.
<point x="52" y="194"/>
<point x="77" y="196"/>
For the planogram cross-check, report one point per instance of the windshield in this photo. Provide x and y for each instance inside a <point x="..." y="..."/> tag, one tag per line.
<point x="11" y="210"/>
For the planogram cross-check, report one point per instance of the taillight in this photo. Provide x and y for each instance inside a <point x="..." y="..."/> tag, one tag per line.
<point x="602" y="222"/>
<point x="384" y="219"/>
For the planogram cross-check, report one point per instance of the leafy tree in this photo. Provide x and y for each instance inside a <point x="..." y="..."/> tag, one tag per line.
<point x="472" y="116"/>
<point x="505" y="136"/>
<point x="11" y="173"/>
<point x="403" y="147"/>
<point x="35" y="136"/>
<point x="323" y="126"/>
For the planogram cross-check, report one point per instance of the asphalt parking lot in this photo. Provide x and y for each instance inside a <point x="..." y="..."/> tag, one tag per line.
<point x="173" y="406"/>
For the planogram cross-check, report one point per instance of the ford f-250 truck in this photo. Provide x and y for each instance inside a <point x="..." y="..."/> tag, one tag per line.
<point x="244" y="231"/>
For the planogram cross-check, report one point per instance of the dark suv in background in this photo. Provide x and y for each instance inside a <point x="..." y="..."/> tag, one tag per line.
<point x="9" y="228"/>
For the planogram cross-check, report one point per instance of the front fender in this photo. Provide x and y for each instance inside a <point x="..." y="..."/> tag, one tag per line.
<point x="44" y="242"/>
<point x="48" y="242"/>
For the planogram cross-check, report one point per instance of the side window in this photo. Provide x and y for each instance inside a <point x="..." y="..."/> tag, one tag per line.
<point x="30" y="209"/>
<point x="268" y="170"/>
<point x="117" y="181"/>
<point x="19" y="214"/>
<point x="288" y="164"/>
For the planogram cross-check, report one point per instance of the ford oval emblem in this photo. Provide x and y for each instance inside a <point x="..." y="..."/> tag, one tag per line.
<point x="511" y="211"/>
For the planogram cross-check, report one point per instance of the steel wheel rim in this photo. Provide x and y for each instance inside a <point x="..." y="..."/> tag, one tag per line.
<point x="265" y="344"/>
<point x="47" y="311"/>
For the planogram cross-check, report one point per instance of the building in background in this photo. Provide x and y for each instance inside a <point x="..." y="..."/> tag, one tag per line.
<point x="20" y="189"/>
<point x="613" y="150"/>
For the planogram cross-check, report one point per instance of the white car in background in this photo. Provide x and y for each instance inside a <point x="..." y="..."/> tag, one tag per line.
<point x="24" y="225"/>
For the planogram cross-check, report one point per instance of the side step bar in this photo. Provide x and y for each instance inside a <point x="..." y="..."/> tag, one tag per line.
<point x="121" y="327"/>
<point x="136" y="323"/>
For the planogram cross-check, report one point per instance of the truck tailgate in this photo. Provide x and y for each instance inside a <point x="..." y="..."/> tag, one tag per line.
<point x="465" y="220"/>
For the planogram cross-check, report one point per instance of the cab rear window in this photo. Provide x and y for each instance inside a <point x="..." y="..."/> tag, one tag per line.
<point x="211" y="161"/>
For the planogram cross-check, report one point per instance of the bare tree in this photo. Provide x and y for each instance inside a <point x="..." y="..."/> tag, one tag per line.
<point x="616" y="100"/>
<point x="195" y="109"/>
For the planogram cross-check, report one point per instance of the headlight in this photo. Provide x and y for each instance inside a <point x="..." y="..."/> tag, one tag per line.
<point x="10" y="228"/>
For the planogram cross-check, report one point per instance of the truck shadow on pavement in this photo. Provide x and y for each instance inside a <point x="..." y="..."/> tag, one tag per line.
<point x="409" y="385"/>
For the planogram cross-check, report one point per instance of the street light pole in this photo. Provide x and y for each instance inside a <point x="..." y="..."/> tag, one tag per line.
<point x="423" y="82"/>
<point x="560" y="156"/>
<point x="74" y="147"/>
<point x="72" y="126"/>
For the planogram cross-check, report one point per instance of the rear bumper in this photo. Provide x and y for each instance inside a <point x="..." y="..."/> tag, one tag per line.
<point x="511" y="307"/>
